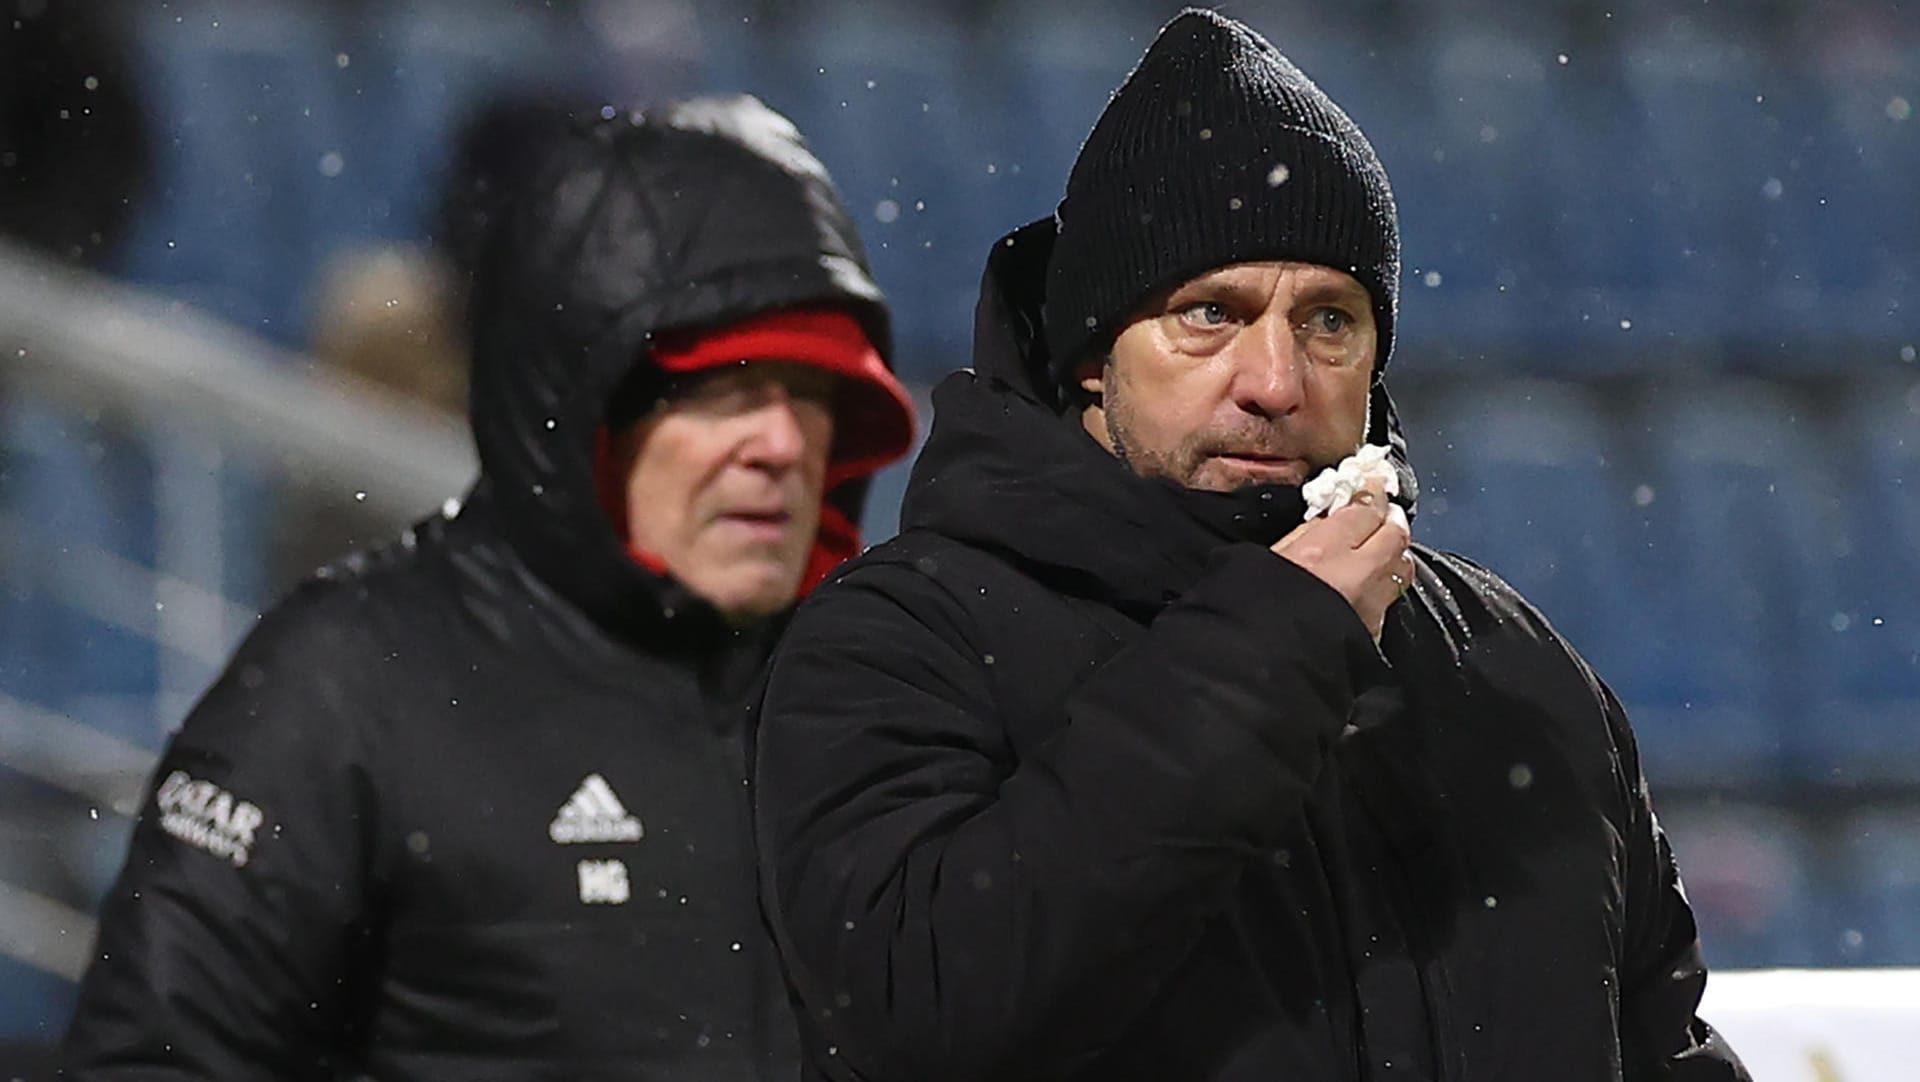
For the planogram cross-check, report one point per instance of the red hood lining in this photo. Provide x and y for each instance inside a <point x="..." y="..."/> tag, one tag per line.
<point x="873" y="417"/>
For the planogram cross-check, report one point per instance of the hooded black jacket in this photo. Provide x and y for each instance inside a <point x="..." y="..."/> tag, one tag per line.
<point x="1076" y="780"/>
<point x="474" y="807"/>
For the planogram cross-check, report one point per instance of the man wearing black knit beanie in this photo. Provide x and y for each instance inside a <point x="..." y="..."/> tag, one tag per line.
<point x="1153" y="748"/>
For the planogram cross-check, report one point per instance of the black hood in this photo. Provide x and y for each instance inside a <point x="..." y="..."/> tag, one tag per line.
<point x="1008" y="467"/>
<point x="697" y="215"/>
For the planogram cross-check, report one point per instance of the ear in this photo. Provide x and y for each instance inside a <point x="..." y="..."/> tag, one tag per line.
<point x="1091" y="375"/>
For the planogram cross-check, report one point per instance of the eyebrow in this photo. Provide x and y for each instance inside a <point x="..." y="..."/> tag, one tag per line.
<point x="1238" y="290"/>
<point x="1234" y="290"/>
<point x="1327" y="291"/>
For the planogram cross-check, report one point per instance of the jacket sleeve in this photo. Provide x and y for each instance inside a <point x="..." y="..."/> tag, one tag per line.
<point x="1663" y="973"/>
<point x="947" y="910"/>
<point x="223" y="947"/>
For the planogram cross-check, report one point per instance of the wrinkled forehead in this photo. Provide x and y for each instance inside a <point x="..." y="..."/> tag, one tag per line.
<point x="1272" y="275"/>
<point x="749" y="372"/>
<point x="725" y="388"/>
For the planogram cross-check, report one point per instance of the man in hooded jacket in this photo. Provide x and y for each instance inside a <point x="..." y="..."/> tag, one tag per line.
<point x="1109" y="767"/>
<point x="474" y="806"/>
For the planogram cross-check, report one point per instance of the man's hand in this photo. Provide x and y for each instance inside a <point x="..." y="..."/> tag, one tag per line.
<point x="1359" y="550"/>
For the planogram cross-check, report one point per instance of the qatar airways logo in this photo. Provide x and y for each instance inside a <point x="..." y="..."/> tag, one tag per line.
<point x="208" y="817"/>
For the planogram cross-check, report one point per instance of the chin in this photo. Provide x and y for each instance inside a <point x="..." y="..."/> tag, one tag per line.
<point x="1221" y="484"/>
<point x="752" y="593"/>
<point x="1228" y="479"/>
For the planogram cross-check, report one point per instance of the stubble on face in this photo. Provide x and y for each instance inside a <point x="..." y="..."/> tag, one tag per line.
<point x="1188" y="462"/>
<point x="1247" y="375"/>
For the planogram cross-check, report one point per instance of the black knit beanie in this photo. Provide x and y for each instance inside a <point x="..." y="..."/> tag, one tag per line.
<point x="1216" y="150"/>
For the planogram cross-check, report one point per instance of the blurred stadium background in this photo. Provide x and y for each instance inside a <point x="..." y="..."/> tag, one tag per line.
<point x="1658" y="345"/>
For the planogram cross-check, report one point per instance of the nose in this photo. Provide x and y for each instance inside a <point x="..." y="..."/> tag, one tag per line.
<point x="776" y="439"/>
<point x="1269" y="377"/>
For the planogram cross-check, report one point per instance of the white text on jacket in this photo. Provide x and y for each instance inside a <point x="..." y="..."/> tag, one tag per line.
<point x="208" y="817"/>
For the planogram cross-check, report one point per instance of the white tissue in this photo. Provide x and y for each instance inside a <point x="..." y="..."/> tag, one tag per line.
<point x="1336" y="486"/>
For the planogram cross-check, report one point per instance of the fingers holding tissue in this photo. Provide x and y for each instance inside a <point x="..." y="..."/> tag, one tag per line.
<point x="1336" y="486"/>
<point x="1354" y="538"/>
<point x="1356" y="480"/>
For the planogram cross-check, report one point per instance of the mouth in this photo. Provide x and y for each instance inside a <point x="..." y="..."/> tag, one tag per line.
<point x="769" y="524"/>
<point x="1277" y="468"/>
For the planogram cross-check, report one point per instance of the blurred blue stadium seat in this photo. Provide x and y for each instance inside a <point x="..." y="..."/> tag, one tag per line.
<point x="1046" y="72"/>
<point x="1744" y="164"/>
<point x="1861" y="721"/>
<point x="422" y="71"/>
<point x="58" y="856"/>
<point x="1523" y="483"/>
<point x="1880" y="870"/>
<point x="250" y="140"/>
<point x="1866" y="156"/>
<point x="67" y="485"/>
<point x="1477" y="122"/>
<point x="886" y="98"/>
<point x="1539" y="487"/>
<point x="1758" y="890"/>
<point x="1739" y="488"/>
<point x="34" y="1007"/>
<point x="1611" y="215"/>
<point x="285" y="134"/>
<point x="1713" y="157"/>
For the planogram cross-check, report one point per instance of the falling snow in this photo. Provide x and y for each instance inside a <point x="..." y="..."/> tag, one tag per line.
<point x="1781" y="185"/>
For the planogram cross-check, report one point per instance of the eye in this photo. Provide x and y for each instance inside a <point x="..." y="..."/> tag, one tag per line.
<point x="807" y="384"/>
<point x="1204" y="314"/>
<point x="717" y="391"/>
<point x="1329" y="321"/>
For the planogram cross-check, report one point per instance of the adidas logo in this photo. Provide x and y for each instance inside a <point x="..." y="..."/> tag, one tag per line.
<point x="594" y="814"/>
